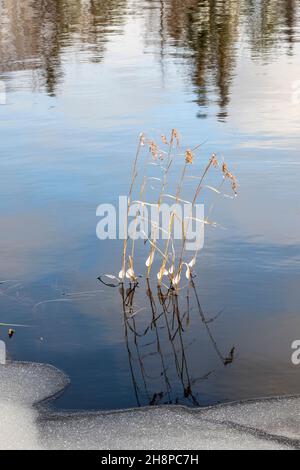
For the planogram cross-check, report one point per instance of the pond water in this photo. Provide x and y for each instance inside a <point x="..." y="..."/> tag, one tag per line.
<point x="83" y="78"/>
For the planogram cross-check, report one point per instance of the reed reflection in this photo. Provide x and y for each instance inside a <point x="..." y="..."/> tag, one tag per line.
<point x="159" y="353"/>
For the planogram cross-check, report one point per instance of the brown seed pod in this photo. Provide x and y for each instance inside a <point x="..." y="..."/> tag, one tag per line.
<point x="189" y="157"/>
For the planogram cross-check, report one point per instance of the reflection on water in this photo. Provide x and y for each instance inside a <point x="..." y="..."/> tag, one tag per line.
<point x="163" y="340"/>
<point x="84" y="77"/>
<point x="36" y="35"/>
<point x="168" y="339"/>
<point x="212" y="33"/>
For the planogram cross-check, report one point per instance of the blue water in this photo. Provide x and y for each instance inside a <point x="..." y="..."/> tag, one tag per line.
<point x="83" y="79"/>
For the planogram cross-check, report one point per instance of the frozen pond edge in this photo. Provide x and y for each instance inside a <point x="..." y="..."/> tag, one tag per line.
<point x="28" y="389"/>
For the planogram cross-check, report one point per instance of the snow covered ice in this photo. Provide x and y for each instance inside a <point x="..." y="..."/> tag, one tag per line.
<point x="166" y="428"/>
<point x="261" y="424"/>
<point x="21" y="386"/>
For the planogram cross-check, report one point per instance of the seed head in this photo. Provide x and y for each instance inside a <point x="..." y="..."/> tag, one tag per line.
<point x="189" y="157"/>
<point x="153" y="149"/>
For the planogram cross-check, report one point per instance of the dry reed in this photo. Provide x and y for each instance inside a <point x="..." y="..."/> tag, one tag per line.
<point x="171" y="264"/>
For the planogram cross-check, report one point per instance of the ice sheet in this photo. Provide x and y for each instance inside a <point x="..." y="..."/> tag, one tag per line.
<point x="18" y="429"/>
<point x="262" y="424"/>
<point x="275" y="416"/>
<point x="22" y="385"/>
<point x="29" y="383"/>
<point x="162" y="428"/>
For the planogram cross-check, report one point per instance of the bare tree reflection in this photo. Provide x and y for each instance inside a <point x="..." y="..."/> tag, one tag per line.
<point x="205" y="34"/>
<point x="208" y="33"/>
<point x="35" y="33"/>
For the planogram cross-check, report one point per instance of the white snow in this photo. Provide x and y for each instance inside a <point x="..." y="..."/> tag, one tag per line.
<point x="263" y="424"/>
<point x="21" y="386"/>
<point x="167" y="428"/>
<point x="29" y="383"/>
<point x="18" y="428"/>
<point x="277" y="416"/>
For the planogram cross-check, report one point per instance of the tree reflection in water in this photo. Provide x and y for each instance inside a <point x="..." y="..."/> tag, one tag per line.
<point x="202" y="36"/>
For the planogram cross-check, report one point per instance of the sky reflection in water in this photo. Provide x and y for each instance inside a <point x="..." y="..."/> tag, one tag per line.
<point x="83" y="79"/>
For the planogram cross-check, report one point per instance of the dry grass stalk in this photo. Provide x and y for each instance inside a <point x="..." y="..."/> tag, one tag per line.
<point x="170" y="266"/>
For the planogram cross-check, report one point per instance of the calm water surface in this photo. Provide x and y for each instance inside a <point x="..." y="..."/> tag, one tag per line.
<point x="83" y="78"/>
